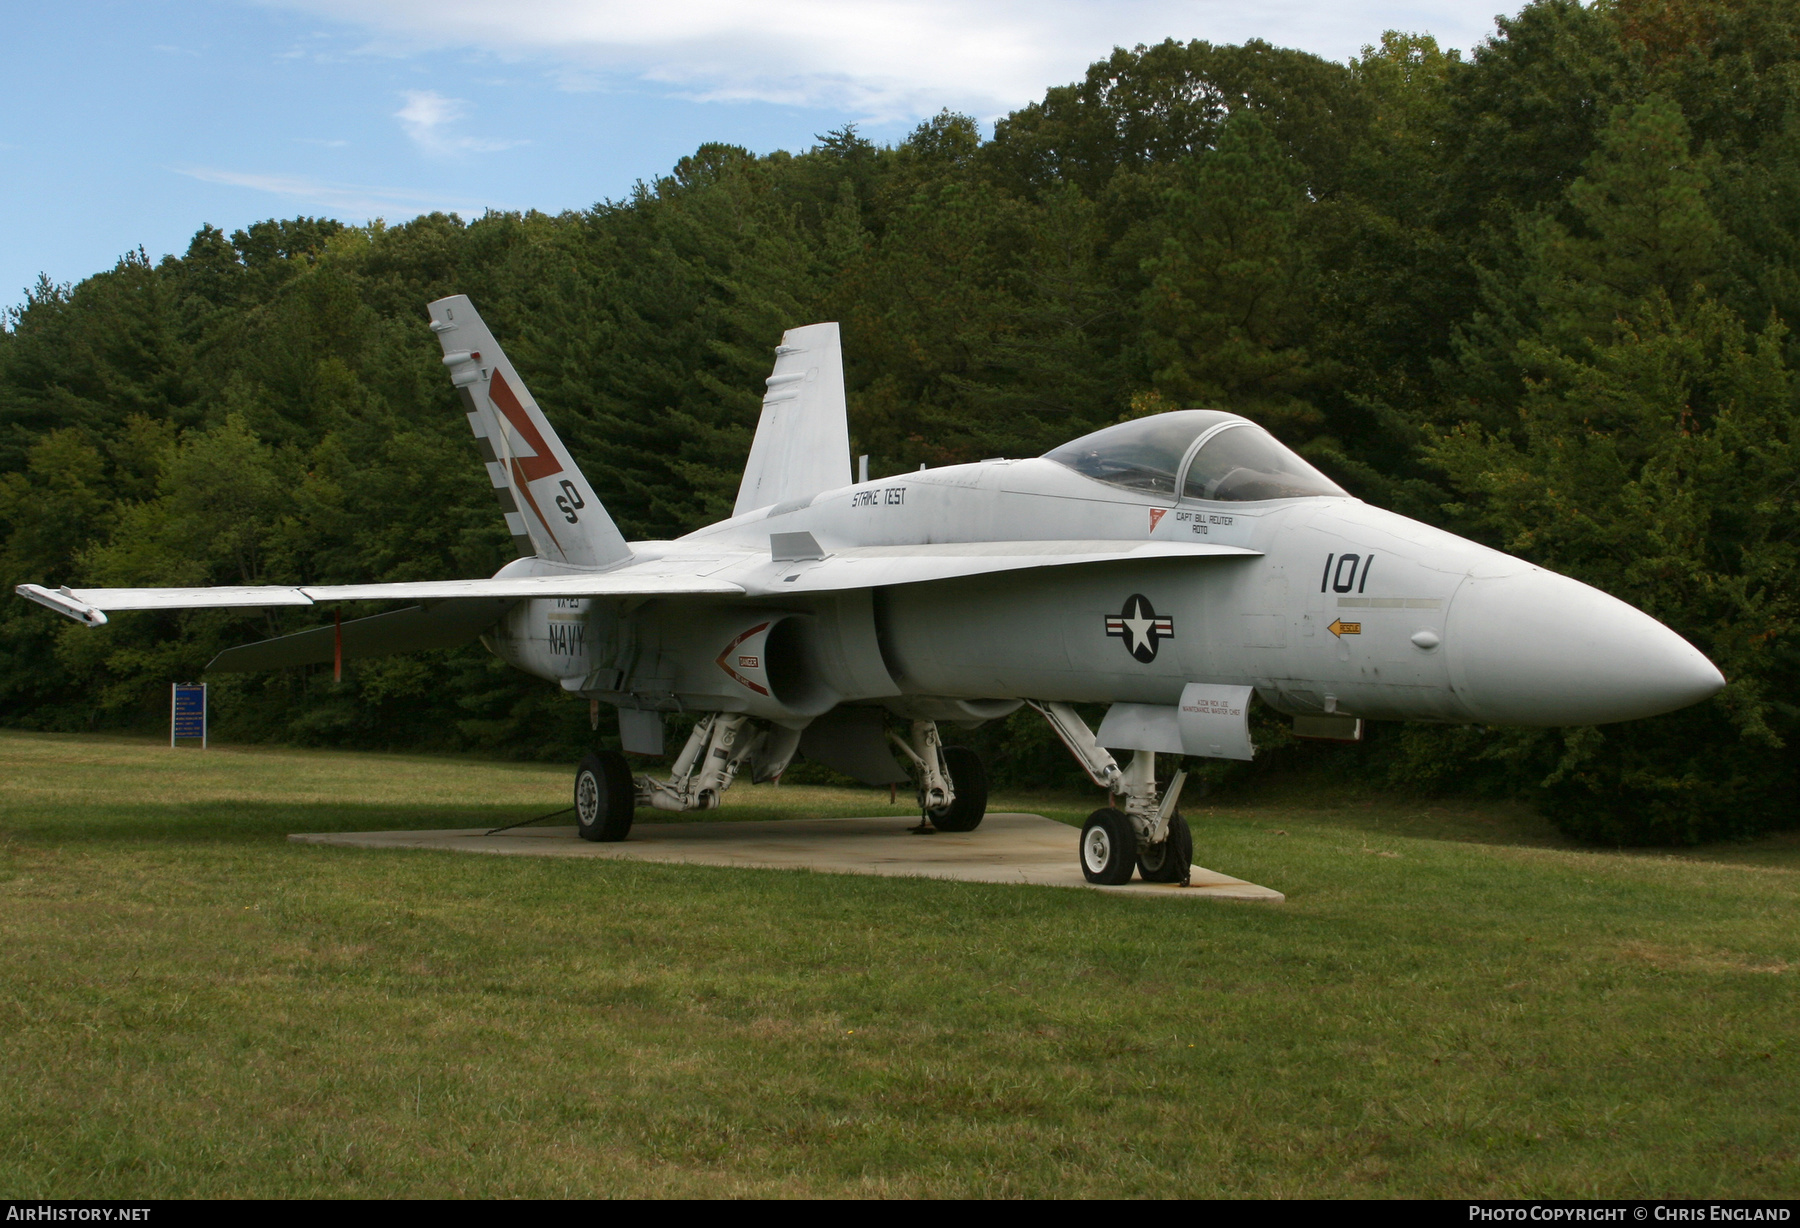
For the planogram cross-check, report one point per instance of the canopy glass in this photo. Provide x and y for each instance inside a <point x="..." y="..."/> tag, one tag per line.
<point x="1236" y="460"/>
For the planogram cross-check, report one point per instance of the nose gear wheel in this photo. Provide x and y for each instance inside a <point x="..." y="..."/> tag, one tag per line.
<point x="1172" y="861"/>
<point x="1108" y="848"/>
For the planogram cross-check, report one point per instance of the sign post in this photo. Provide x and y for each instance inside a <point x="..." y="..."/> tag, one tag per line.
<point x="187" y="712"/>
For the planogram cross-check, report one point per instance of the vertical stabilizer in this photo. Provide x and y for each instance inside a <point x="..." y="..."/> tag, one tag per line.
<point x="549" y="506"/>
<point x="802" y="443"/>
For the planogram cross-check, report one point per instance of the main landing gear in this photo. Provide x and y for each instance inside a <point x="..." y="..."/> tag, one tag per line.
<point x="604" y="797"/>
<point x="721" y="745"/>
<point x="1142" y="831"/>
<point x="953" y="787"/>
<point x="1146" y="833"/>
<point x="953" y="790"/>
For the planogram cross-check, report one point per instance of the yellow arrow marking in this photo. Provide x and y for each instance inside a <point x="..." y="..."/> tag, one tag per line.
<point x="1340" y="628"/>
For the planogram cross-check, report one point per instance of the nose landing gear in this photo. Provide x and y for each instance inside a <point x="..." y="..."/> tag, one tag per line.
<point x="1147" y="833"/>
<point x="1111" y="849"/>
<point x="1171" y="861"/>
<point x="1108" y="848"/>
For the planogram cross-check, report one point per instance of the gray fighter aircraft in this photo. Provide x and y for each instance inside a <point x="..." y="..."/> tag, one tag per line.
<point x="1171" y="567"/>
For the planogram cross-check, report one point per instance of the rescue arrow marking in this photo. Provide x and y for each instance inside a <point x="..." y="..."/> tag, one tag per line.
<point x="1340" y="628"/>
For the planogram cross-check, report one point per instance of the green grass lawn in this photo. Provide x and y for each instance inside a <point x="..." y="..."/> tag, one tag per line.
<point x="1451" y="1002"/>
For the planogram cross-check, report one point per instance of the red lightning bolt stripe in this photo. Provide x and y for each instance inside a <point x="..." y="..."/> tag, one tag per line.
<point x="525" y="469"/>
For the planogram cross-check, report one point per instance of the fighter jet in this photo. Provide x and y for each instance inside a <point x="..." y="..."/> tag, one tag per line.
<point x="1171" y="567"/>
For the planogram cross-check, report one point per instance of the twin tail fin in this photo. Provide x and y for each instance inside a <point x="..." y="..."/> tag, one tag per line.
<point x="549" y="506"/>
<point x="802" y="444"/>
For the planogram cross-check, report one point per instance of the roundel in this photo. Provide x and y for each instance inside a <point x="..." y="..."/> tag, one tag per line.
<point x="1141" y="627"/>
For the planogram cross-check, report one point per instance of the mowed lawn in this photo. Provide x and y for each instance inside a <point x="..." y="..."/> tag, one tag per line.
<point x="1450" y="1002"/>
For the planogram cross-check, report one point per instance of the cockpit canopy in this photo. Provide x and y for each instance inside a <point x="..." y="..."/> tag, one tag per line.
<point x="1205" y="453"/>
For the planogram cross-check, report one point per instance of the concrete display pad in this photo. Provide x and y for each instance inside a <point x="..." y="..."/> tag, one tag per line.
<point x="1006" y="848"/>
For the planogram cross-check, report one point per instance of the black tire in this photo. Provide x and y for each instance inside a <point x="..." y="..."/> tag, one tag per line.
<point x="969" y="781"/>
<point x="1172" y="860"/>
<point x="604" y="797"/>
<point x="1108" y="850"/>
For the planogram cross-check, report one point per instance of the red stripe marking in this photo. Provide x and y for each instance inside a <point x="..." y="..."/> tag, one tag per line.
<point x="534" y="467"/>
<point x="525" y="469"/>
<point x="735" y="676"/>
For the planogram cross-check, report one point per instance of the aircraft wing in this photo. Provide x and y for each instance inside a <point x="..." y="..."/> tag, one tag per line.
<point x="877" y="566"/>
<point x="806" y="568"/>
<point x="91" y="605"/>
<point x="444" y="624"/>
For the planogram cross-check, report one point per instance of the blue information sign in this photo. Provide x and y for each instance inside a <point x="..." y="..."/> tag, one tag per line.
<point x="187" y="712"/>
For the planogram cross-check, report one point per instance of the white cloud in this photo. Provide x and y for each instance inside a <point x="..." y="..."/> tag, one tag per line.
<point x="355" y="200"/>
<point x="882" y="59"/>
<point x="426" y="113"/>
<point x="428" y="117"/>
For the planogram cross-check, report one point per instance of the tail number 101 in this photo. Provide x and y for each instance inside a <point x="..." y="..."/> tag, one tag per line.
<point x="1341" y="572"/>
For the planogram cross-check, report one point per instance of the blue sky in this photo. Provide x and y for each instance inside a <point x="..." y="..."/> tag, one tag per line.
<point x="134" y="123"/>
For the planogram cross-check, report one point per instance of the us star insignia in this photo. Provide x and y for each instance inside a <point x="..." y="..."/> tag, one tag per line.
<point x="1141" y="627"/>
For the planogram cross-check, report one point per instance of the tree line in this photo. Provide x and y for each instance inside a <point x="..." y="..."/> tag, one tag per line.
<point x="1543" y="295"/>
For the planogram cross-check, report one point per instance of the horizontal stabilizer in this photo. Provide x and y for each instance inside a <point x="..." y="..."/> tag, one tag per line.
<point x="414" y="629"/>
<point x="853" y="741"/>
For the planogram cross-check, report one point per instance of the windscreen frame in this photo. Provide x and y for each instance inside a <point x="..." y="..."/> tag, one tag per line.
<point x="1144" y="480"/>
<point x="1207" y="436"/>
<point x="1187" y="460"/>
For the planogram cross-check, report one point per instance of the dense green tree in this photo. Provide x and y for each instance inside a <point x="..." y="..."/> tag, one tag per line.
<point x="1227" y="313"/>
<point x="1651" y="451"/>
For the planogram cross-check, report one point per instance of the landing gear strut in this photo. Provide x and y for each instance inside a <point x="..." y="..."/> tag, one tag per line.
<point x="1146" y="832"/>
<point x="721" y="745"/>
<point x="953" y="789"/>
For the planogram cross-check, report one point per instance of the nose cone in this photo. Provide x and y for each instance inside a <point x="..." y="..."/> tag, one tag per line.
<point x="1536" y="648"/>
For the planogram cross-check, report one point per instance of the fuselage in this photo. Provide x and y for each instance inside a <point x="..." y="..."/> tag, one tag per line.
<point x="1342" y="608"/>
